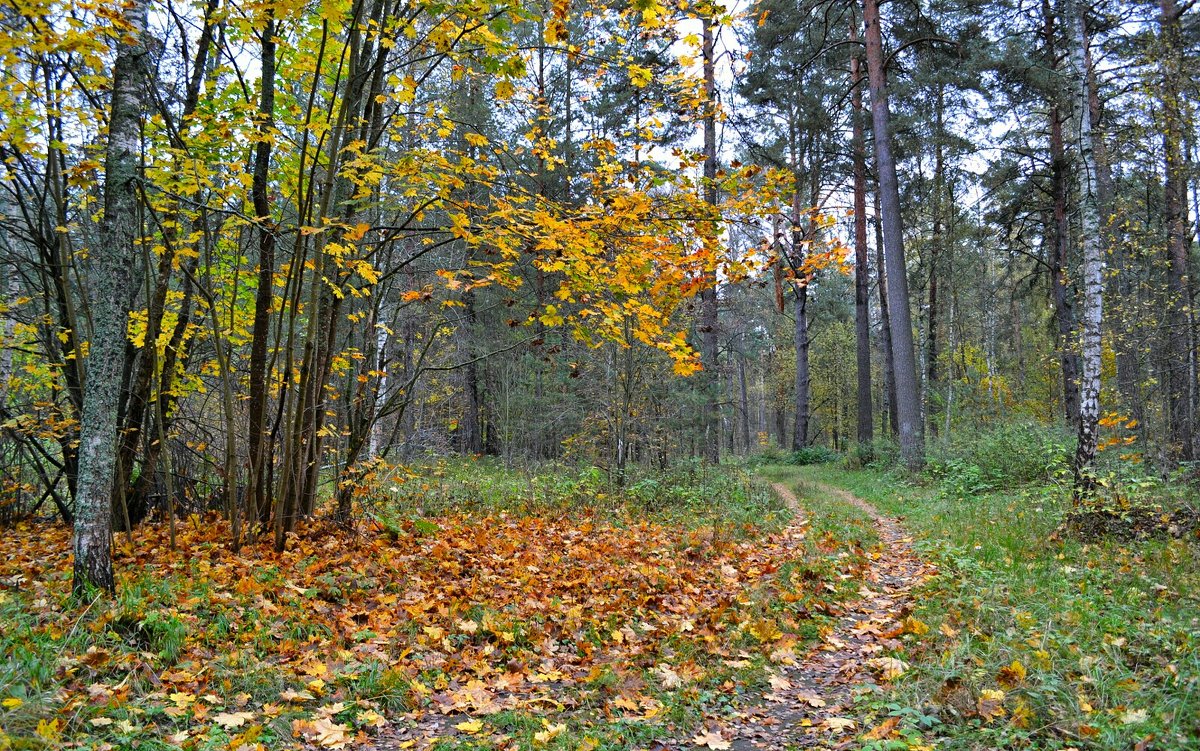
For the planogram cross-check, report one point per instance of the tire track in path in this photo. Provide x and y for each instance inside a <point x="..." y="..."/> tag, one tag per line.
<point x="811" y="699"/>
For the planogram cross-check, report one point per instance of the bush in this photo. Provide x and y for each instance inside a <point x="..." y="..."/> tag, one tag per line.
<point x="811" y="455"/>
<point x="1008" y="456"/>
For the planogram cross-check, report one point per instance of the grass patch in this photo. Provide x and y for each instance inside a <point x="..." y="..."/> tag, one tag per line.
<point x="1036" y="641"/>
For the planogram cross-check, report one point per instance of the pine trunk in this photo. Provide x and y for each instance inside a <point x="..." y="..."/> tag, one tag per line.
<point x="908" y="395"/>
<point x="1175" y="218"/>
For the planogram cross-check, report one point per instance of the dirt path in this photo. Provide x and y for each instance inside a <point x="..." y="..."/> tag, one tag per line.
<point x="810" y="701"/>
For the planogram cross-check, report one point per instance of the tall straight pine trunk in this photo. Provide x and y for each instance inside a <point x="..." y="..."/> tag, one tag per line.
<point x="862" y="279"/>
<point x="908" y="395"/>
<point x="111" y="259"/>
<point x="800" y="332"/>
<point x="1179" y="311"/>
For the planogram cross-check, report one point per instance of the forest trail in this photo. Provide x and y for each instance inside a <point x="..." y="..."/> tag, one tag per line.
<point x="810" y="704"/>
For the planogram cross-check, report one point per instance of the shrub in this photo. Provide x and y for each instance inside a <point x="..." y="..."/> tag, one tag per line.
<point x="811" y="455"/>
<point x="1008" y="456"/>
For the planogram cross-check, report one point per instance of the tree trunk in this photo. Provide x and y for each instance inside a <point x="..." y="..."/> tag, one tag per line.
<point x="111" y="259"/>
<point x="885" y="320"/>
<point x="862" y="278"/>
<point x="708" y="297"/>
<point x="747" y="445"/>
<point x="472" y="426"/>
<point x="1059" y="263"/>
<point x="1093" y="269"/>
<point x="935" y="251"/>
<point x="1179" y="380"/>
<point x="908" y="397"/>
<point x="800" y="434"/>
<point x="258" y="500"/>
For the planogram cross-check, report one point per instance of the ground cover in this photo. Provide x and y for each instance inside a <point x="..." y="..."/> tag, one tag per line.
<point x="1038" y="637"/>
<point x="584" y="616"/>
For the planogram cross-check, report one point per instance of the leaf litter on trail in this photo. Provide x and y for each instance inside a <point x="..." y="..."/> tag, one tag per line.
<point x="485" y="614"/>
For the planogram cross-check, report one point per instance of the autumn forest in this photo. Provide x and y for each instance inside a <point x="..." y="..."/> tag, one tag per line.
<point x="652" y="374"/>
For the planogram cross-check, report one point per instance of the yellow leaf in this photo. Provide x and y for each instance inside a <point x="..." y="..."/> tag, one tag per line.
<point x="1011" y="675"/>
<point x="639" y="76"/>
<point x="915" y="626"/>
<point x="838" y="724"/>
<point x="471" y="726"/>
<point x="181" y="699"/>
<point x="48" y="729"/>
<point x="550" y="733"/>
<point x="11" y="702"/>
<point x="504" y="89"/>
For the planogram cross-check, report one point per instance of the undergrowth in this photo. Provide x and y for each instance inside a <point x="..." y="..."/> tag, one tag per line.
<point x="1039" y="639"/>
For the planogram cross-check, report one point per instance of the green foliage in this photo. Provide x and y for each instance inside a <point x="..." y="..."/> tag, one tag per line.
<point x="1004" y="457"/>
<point x="688" y="492"/>
<point x="816" y="454"/>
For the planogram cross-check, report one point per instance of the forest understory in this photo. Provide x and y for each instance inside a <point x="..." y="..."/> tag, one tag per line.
<point x="488" y="608"/>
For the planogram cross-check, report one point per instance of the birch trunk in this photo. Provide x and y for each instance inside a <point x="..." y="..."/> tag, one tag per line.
<point x="112" y="257"/>
<point x="1092" y="277"/>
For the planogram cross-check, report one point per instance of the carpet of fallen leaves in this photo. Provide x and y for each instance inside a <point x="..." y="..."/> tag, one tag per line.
<point x="436" y="621"/>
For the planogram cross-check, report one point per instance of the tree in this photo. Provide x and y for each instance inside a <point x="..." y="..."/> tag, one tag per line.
<point x="112" y="259"/>
<point x="1093" y="282"/>
<point x="862" y="273"/>
<point x="709" y="339"/>
<point x="1180" y="376"/>
<point x="908" y="397"/>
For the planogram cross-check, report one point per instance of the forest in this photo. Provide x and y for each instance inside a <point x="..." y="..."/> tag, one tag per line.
<point x="572" y="375"/>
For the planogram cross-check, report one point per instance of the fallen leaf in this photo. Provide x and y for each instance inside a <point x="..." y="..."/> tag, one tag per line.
<point x="550" y="733"/>
<point x="990" y="704"/>
<point x="882" y="730"/>
<point x="229" y="720"/>
<point x="838" y="724"/>
<point x="811" y="699"/>
<point x="888" y="668"/>
<point x="1011" y="675"/>
<point x="331" y="734"/>
<point x="711" y="739"/>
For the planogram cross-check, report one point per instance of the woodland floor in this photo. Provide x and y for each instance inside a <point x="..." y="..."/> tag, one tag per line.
<point x="511" y="625"/>
<point x="811" y="696"/>
<point x="553" y="616"/>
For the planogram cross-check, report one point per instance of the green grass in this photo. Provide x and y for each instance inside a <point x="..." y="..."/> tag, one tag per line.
<point x="1095" y="645"/>
<point x="690" y="493"/>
